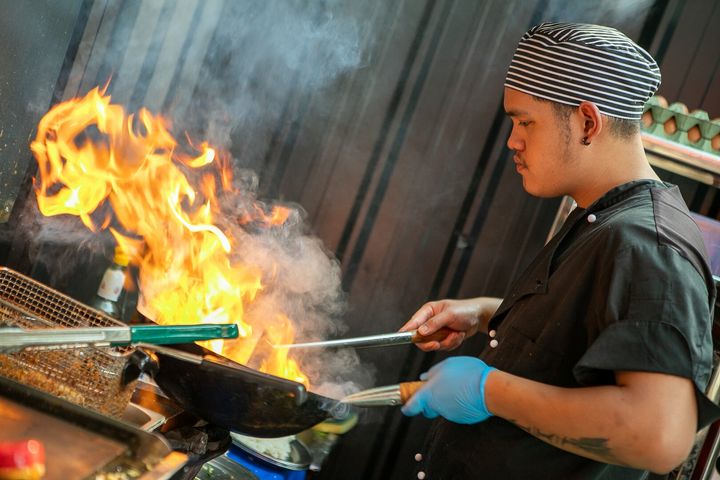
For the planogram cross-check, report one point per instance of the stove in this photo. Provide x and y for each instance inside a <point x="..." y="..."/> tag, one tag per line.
<point x="239" y="462"/>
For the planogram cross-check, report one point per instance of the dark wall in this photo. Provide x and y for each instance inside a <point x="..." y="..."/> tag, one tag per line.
<point x="384" y="121"/>
<point x="688" y="50"/>
<point x="34" y="39"/>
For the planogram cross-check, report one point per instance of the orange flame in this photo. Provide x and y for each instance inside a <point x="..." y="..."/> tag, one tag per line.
<point x="91" y="153"/>
<point x="279" y="362"/>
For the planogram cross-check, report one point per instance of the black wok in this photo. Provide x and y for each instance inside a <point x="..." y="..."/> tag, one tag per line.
<point x="239" y="398"/>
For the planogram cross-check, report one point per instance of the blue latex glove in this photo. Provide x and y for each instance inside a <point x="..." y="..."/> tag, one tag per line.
<point x="455" y="390"/>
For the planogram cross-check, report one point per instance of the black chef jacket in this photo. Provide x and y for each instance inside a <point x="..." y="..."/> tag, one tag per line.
<point x="624" y="285"/>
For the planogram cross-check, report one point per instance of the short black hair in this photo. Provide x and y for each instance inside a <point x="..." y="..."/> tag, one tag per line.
<point x="619" y="127"/>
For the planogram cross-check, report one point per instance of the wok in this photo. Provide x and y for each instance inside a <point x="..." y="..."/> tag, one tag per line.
<point x="236" y="397"/>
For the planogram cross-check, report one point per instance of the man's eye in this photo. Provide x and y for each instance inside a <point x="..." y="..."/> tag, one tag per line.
<point x="524" y="123"/>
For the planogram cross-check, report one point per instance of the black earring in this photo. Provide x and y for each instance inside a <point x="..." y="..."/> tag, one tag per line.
<point x="585" y="141"/>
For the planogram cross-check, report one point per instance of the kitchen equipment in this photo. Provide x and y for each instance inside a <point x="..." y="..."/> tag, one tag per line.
<point x="224" y="468"/>
<point x="383" y="340"/>
<point x="322" y="438"/>
<point x="390" y="395"/>
<point x="284" y="452"/>
<point x="91" y="377"/>
<point x="233" y="396"/>
<point x="262" y="469"/>
<point x="14" y="339"/>
<point x="23" y="459"/>
<point x="81" y="443"/>
<point x="141" y="417"/>
<point x="242" y="463"/>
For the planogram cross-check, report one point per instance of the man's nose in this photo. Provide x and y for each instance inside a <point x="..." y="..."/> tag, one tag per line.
<point x="514" y="142"/>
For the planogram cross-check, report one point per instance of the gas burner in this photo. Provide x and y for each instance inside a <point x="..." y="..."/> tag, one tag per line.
<point x="287" y="453"/>
<point x="251" y="458"/>
<point x="224" y="468"/>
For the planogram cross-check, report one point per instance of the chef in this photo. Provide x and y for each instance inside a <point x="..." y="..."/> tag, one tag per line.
<point x="596" y="361"/>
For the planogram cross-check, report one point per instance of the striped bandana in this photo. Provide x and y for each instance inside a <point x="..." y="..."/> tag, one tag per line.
<point x="572" y="62"/>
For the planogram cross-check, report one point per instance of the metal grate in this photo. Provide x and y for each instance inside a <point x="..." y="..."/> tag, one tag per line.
<point x="87" y="376"/>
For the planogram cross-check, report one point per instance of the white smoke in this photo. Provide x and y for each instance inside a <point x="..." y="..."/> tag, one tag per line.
<point x="263" y="51"/>
<point x="613" y="13"/>
<point x="303" y="282"/>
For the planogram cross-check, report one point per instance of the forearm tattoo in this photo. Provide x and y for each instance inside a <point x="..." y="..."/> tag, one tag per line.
<point x="597" y="447"/>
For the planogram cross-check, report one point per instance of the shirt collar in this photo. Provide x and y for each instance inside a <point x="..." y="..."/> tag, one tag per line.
<point x="621" y="192"/>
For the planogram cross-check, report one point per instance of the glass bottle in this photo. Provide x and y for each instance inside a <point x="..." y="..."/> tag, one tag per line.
<point x="110" y="293"/>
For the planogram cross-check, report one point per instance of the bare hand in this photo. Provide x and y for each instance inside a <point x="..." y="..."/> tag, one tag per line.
<point x="462" y="317"/>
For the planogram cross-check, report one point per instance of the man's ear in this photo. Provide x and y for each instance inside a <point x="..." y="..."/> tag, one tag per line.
<point x="592" y="120"/>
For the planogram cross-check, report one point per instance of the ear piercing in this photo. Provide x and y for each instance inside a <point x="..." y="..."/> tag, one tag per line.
<point x="585" y="141"/>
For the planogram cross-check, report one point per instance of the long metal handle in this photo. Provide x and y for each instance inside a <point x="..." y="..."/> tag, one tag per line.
<point x="386" y="339"/>
<point x="174" y="353"/>
<point x="383" y="340"/>
<point x="13" y="339"/>
<point x="390" y="395"/>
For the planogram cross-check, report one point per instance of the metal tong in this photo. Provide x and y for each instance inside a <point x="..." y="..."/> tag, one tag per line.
<point x="13" y="339"/>
<point x="390" y="395"/>
<point x="383" y="340"/>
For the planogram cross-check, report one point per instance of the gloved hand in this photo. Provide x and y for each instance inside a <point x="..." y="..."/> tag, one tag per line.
<point x="455" y="390"/>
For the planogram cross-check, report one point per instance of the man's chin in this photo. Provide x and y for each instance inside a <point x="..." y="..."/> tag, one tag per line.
<point x="538" y="192"/>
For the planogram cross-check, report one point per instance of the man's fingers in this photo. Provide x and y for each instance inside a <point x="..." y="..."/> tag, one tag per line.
<point x="435" y="323"/>
<point x="452" y="341"/>
<point x="429" y="319"/>
<point x="419" y="318"/>
<point x="428" y="346"/>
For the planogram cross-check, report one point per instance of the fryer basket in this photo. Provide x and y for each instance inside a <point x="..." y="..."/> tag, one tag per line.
<point x="88" y="376"/>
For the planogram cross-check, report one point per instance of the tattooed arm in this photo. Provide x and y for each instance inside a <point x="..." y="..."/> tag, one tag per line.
<point x="645" y="421"/>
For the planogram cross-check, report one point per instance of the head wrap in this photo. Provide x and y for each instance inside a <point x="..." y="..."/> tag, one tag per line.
<point x="572" y="62"/>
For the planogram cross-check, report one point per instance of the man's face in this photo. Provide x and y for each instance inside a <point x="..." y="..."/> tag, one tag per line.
<point x="544" y="155"/>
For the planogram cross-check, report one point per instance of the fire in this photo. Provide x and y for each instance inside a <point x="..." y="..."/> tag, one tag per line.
<point x="109" y="168"/>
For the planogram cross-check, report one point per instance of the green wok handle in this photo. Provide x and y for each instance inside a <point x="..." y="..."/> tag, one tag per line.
<point x="170" y="334"/>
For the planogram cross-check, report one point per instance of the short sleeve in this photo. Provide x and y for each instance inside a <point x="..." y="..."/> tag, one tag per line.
<point x="657" y="318"/>
<point x="638" y="346"/>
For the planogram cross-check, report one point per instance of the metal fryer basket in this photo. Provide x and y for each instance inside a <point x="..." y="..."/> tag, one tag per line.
<point x="87" y="376"/>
